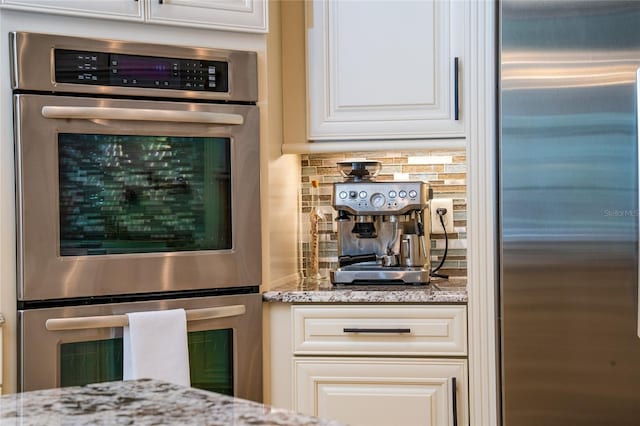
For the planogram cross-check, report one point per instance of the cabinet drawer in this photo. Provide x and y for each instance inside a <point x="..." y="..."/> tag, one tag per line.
<point x="379" y="330"/>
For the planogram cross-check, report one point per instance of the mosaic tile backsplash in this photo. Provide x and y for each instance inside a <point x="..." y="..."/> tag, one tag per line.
<point x="445" y="171"/>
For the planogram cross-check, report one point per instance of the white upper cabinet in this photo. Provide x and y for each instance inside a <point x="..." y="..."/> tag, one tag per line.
<point x="232" y="15"/>
<point x="386" y="69"/>
<point x="129" y="10"/>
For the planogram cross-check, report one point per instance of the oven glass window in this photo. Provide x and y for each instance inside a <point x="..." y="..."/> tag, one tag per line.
<point x="210" y="361"/>
<point x="143" y="194"/>
<point x="90" y="362"/>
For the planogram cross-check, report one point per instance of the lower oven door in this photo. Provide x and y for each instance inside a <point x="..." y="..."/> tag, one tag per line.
<point x="224" y="337"/>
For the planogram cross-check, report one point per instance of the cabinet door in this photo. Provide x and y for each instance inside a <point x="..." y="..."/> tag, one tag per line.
<point x="385" y="71"/>
<point x="382" y="392"/>
<point x="129" y="10"/>
<point x="233" y="15"/>
<point x="1" y="340"/>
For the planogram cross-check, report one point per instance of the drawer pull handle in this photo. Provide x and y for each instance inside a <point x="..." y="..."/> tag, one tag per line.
<point x="376" y="330"/>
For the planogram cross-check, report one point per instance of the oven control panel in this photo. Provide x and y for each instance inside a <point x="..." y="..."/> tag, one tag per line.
<point x="116" y="69"/>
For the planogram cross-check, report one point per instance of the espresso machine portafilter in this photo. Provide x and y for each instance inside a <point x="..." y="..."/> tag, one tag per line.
<point x="383" y="237"/>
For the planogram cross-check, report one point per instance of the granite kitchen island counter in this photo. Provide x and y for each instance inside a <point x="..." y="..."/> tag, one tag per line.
<point x="141" y="402"/>
<point x="438" y="291"/>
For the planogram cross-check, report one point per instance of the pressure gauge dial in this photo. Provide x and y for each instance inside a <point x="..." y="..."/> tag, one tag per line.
<point x="377" y="200"/>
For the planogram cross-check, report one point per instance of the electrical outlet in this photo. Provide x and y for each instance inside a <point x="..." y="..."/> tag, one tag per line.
<point x="436" y="226"/>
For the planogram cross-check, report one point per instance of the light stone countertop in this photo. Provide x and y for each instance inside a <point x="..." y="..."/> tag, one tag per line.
<point x="141" y="403"/>
<point x="453" y="290"/>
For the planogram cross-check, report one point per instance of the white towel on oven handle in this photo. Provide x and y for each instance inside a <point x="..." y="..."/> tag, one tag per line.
<point x="155" y="346"/>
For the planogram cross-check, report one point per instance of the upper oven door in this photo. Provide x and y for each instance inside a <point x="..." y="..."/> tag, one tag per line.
<point x="128" y="196"/>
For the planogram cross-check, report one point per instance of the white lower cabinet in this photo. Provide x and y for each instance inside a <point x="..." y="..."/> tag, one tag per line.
<point x="371" y="365"/>
<point x="1" y="340"/>
<point x="382" y="392"/>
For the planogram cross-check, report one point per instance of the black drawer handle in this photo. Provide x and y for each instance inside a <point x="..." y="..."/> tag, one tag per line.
<point x="454" y="401"/>
<point x="376" y="330"/>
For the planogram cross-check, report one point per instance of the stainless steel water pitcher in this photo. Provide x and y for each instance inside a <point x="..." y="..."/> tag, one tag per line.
<point x="411" y="251"/>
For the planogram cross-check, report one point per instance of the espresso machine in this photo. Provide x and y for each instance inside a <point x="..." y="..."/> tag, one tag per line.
<point x="383" y="237"/>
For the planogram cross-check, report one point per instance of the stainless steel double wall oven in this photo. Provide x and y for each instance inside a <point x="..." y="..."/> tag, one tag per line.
<point x="137" y="170"/>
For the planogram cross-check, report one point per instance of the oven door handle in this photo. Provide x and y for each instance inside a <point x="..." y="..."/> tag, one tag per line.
<point x="136" y="114"/>
<point x="108" y="321"/>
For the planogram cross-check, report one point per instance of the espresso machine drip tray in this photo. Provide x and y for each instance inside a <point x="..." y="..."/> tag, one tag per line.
<point x="378" y="274"/>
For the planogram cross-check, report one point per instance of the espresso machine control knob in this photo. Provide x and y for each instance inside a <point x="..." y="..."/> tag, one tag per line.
<point x="413" y="194"/>
<point x="343" y="195"/>
<point x="377" y="200"/>
<point x="402" y="194"/>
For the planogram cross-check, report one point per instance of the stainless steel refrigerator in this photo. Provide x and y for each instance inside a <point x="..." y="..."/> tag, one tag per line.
<point x="568" y="175"/>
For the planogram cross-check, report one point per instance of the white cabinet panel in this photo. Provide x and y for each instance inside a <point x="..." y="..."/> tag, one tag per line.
<point x="129" y="10"/>
<point x="363" y="59"/>
<point x="235" y="15"/>
<point x="1" y="349"/>
<point x="385" y="71"/>
<point x="359" y="330"/>
<point x="381" y="392"/>
<point x="351" y="402"/>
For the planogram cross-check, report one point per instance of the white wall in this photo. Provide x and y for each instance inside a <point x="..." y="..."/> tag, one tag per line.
<point x="279" y="174"/>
